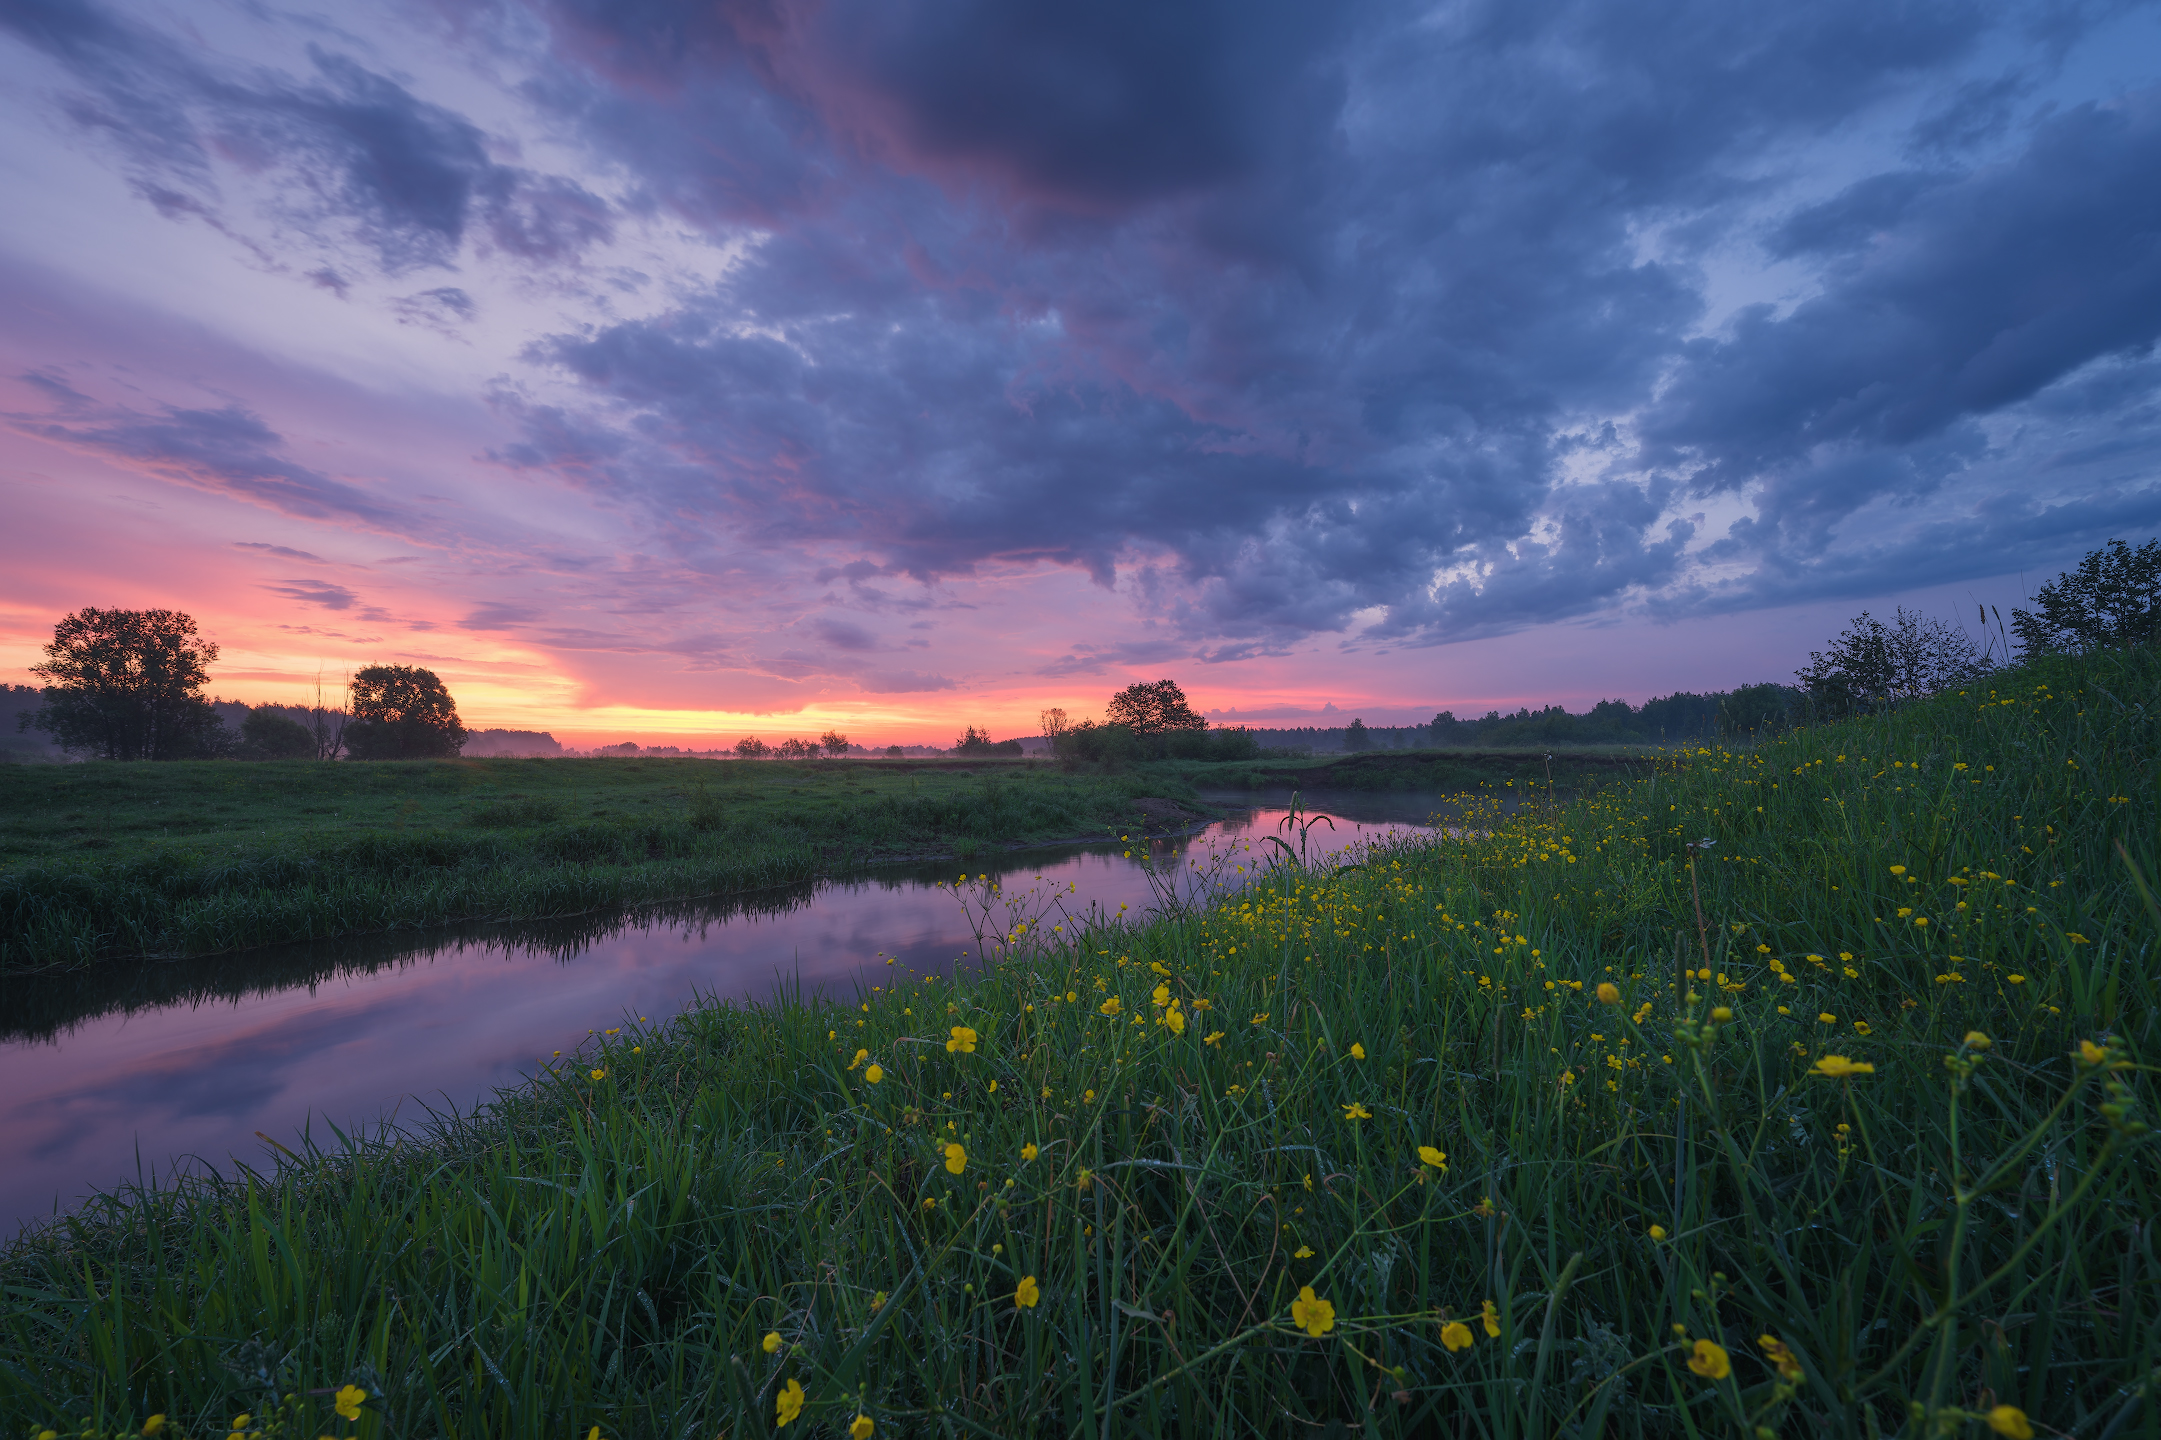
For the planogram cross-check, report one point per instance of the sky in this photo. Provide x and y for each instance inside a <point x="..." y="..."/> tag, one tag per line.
<point x="663" y="370"/>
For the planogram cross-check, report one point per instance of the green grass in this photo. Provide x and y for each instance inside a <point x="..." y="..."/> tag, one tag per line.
<point x="106" y="861"/>
<point x="1631" y="1186"/>
<point x="1456" y="771"/>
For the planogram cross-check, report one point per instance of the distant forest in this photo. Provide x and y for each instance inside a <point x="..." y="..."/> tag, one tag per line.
<point x="1667" y="720"/>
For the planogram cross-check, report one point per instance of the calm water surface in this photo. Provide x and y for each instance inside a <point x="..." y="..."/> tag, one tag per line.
<point x="185" y="1064"/>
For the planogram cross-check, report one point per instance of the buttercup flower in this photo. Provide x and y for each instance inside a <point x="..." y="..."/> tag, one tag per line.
<point x="1303" y="1252"/>
<point x="1710" y="1361"/>
<point x="1028" y="1151"/>
<point x="1490" y="1316"/>
<point x="1609" y="992"/>
<point x="1175" y="1020"/>
<point x="860" y="1057"/>
<point x="1356" y="1111"/>
<point x="1027" y="1293"/>
<point x="771" y="1342"/>
<point x="956" y="1159"/>
<point x="1658" y="1232"/>
<point x="860" y="1427"/>
<point x="1456" y="1335"/>
<point x="1838" y="1067"/>
<point x="1781" y="1358"/>
<point x="347" y="1402"/>
<point x="874" y="1073"/>
<point x="600" y="1074"/>
<point x="2091" y="1053"/>
<point x="154" y="1425"/>
<point x="1161" y="995"/>
<point x="2011" y="1421"/>
<point x="1358" y="1051"/>
<point x="1312" y="1314"/>
<point x="1110" y="1006"/>
<point x="962" y="1040"/>
<point x="788" y="1405"/>
<point x="1433" y="1155"/>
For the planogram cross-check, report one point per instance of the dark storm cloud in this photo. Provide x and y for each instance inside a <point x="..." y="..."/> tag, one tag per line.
<point x="1288" y="324"/>
<point x="370" y="160"/>
<point x="1944" y="301"/>
<point x="228" y="450"/>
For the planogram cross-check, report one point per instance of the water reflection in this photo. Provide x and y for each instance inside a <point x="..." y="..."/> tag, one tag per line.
<point x="184" y="1062"/>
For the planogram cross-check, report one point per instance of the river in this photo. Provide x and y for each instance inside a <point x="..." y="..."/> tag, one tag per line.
<point x="133" y="1072"/>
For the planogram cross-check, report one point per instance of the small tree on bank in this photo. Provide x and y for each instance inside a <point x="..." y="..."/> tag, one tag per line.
<point x="127" y="685"/>
<point x="401" y="712"/>
<point x="1154" y="709"/>
<point x="835" y="743"/>
<point x="1873" y="665"/>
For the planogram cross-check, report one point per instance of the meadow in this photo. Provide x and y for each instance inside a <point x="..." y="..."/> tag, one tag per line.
<point x="1794" y="1091"/>
<point x="110" y="861"/>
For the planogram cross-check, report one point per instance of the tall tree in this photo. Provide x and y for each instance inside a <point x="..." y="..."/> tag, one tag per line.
<point x="401" y="712"/>
<point x="1874" y="664"/>
<point x="2112" y="599"/>
<point x="127" y="685"/>
<point x="1153" y="709"/>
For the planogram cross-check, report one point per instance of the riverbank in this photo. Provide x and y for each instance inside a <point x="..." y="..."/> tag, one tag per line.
<point x="1371" y="1147"/>
<point x="104" y="862"/>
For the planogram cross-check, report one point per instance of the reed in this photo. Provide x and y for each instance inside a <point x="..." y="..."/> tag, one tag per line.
<point x="1486" y="1135"/>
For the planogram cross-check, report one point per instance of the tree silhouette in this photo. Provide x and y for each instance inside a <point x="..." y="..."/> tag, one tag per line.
<point x="1153" y="709"/>
<point x="401" y="712"/>
<point x="127" y="685"/>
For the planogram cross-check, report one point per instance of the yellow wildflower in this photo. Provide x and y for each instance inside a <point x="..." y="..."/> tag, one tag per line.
<point x="1456" y="1335"/>
<point x="1174" y="1019"/>
<point x="1161" y="995"/>
<point x="1356" y="1111"/>
<point x="1110" y="1006"/>
<point x="860" y="1427"/>
<point x="961" y="1041"/>
<point x="1609" y="992"/>
<point x="1658" y="1232"/>
<point x="771" y="1342"/>
<point x="874" y="1074"/>
<point x="2010" y="1421"/>
<point x="1212" y="1038"/>
<point x="1838" y="1067"/>
<point x="2091" y="1053"/>
<point x="1722" y="1015"/>
<point x="154" y="1425"/>
<point x="1358" y="1051"/>
<point x="1027" y="1293"/>
<point x="1489" y="1315"/>
<point x="956" y="1159"/>
<point x="1978" y="1040"/>
<point x="1028" y="1151"/>
<point x="1782" y="1360"/>
<point x="600" y="1074"/>
<point x="347" y="1402"/>
<point x="1312" y="1314"/>
<point x="788" y="1405"/>
<point x="1433" y="1155"/>
<point x="860" y="1057"/>
<point x="1710" y="1361"/>
<point x="1303" y="1252"/>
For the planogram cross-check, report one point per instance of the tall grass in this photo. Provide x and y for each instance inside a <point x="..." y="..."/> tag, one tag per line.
<point x="1372" y="1148"/>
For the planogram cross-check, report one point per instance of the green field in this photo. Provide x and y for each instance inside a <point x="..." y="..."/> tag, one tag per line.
<point x="112" y="861"/>
<point x="1865" y="1152"/>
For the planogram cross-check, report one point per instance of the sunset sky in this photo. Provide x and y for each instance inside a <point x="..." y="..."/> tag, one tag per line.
<point x="663" y="370"/>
